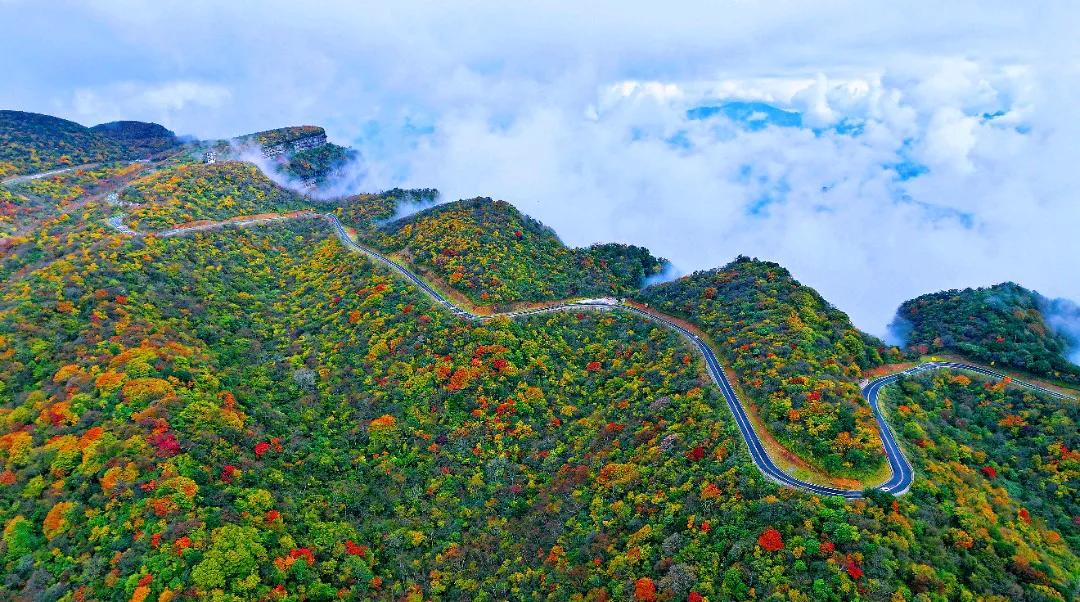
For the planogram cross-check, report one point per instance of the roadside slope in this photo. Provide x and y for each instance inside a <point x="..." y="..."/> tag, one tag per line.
<point x="798" y="358"/>
<point x="495" y="255"/>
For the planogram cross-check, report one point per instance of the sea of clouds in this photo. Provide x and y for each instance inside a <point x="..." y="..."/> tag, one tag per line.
<point x="878" y="151"/>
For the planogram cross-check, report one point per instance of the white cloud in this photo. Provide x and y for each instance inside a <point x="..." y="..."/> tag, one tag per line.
<point x="576" y="113"/>
<point x="154" y="102"/>
<point x="949" y="138"/>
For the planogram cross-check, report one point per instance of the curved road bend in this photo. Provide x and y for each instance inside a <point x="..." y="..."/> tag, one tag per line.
<point x="902" y="472"/>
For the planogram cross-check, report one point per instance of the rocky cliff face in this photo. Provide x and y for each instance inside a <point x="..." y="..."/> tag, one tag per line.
<point x="293" y="146"/>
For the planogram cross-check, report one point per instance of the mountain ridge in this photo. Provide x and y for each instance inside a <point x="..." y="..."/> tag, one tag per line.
<point x="34" y="142"/>
<point x="1004" y="323"/>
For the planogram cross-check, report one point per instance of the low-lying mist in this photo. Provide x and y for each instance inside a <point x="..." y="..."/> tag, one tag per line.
<point x="898" y="331"/>
<point x="1063" y="316"/>
<point x="347" y="179"/>
<point x="410" y="204"/>
<point x="667" y="274"/>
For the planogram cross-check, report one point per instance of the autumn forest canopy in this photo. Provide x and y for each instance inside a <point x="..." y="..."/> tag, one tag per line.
<point x="1005" y="324"/>
<point x="253" y="411"/>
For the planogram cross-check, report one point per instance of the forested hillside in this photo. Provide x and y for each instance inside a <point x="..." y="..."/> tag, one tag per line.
<point x="1005" y="463"/>
<point x="71" y="186"/>
<point x="24" y="206"/>
<point x="193" y="192"/>
<point x="43" y="228"/>
<point x="366" y="212"/>
<point x="1003" y="324"/>
<point x="17" y="210"/>
<point x="145" y="138"/>
<point x="300" y="153"/>
<point x="258" y="413"/>
<point x="797" y="357"/>
<point x="493" y="254"/>
<point x="318" y="164"/>
<point x="31" y="143"/>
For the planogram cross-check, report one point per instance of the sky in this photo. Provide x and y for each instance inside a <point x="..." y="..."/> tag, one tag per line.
<point x="878" y="150"/>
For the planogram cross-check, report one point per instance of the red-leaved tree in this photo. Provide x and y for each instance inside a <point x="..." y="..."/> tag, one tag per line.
<point x="770" y="540"/>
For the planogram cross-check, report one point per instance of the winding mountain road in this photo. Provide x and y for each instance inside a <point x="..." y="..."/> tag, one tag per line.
<point x="44" y="174"/>
<point x="37" y="176"/>
<point x="902" y="472"/>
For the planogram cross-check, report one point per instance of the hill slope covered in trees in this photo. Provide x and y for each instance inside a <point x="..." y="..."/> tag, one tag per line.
<point x="139" y="136"/>
<point x="318" y="165"/>
<point x="300" y="153"/>
<point x="494" y="254"/>
<point x="257" y="413"/>
<point x="194" y="192"/>
<point x="253" y="413"/>
<point x="1003" y="324"/>
<point x="797" y="357"/>
<point x="30" y="143"/>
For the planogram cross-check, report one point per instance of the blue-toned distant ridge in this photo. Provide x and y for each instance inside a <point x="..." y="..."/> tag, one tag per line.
<point x="754" y="115"/>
